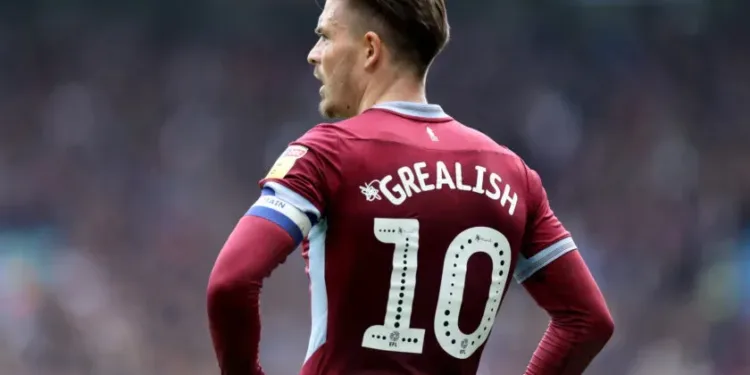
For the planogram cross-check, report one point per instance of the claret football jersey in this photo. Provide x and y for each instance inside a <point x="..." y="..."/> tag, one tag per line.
<point x="414" y="226"/>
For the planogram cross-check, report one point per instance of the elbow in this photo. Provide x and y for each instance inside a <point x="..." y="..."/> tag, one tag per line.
<point x="602" y="327"/>
<point x="234" y="273"/>
<point x="219" y="292"/>
<point x="219" y="286"/>
<point x="228" y="284"/>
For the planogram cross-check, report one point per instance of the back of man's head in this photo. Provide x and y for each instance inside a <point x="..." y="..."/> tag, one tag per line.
<point x="416" y="30"/>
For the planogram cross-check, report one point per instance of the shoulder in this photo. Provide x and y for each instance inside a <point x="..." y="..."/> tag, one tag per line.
<point x="485" y="143"/>
<point x="339" y="133"/>
<point x="325" y="140"/>
<point x="517" y="164"/>
<point x="324" y="133"/>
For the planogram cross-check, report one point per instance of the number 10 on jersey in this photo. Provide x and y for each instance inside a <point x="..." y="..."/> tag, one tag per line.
<point x="396" y="333"/>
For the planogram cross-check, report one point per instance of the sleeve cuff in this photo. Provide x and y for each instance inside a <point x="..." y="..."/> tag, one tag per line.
<point x="528" y="267"/>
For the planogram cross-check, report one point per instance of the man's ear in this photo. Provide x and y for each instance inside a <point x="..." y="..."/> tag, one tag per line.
<point x="373" y="49"/>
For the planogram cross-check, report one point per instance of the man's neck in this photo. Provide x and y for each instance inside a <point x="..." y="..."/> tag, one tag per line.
<point x="399" y="89"/>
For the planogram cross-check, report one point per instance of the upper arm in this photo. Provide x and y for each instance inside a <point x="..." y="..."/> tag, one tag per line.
<point x="545" y="239"/>
<point x="297" y="189"/>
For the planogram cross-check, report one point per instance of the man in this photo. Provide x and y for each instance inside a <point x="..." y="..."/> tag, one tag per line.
<point x="411" y="223"/>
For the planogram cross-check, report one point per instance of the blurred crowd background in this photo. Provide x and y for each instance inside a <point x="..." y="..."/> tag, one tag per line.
<point x="132" y="134"/>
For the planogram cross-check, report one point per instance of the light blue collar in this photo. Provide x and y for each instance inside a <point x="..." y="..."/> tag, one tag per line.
<point x="431" y="111"/>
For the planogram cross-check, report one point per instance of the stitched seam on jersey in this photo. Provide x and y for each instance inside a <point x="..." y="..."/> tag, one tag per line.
<point x="543" y="258"/>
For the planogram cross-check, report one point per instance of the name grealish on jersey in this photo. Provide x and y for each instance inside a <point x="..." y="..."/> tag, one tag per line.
<point x="417" y="178"/>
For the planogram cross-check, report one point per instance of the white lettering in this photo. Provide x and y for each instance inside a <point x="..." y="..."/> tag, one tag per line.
<point x="417" y="178"/>
<point x="494" y="180"/>
<point x="460" y="179"/>
<point x="506" y="198"/>
<point x="443" y="177"/>
<point x="407" y="180"/>
<point x="389" y="195"/>
<point x="478" y="188"/>
<point x="422" y="176"/>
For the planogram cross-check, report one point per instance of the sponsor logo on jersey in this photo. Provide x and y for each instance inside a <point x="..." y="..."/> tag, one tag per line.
<point x="286" y="161"/>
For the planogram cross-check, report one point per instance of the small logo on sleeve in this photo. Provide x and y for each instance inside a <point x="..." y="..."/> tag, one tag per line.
<point x="370" y="192"/>
<point x="295" y="151"/>
<point x="286" y="161"/>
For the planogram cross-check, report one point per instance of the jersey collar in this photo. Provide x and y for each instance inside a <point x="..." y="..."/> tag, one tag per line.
<point x="423" y="110"/>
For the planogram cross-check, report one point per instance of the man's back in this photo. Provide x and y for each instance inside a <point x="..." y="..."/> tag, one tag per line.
<point x="411" y="222"/>
<point x="423" y="225"/>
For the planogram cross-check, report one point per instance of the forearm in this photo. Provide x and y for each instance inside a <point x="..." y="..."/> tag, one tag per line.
<point x="567" y="351"/>
<point x="580" y="321"/>
<point x="234" y="318"/>
<point x="254" y="248"/>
